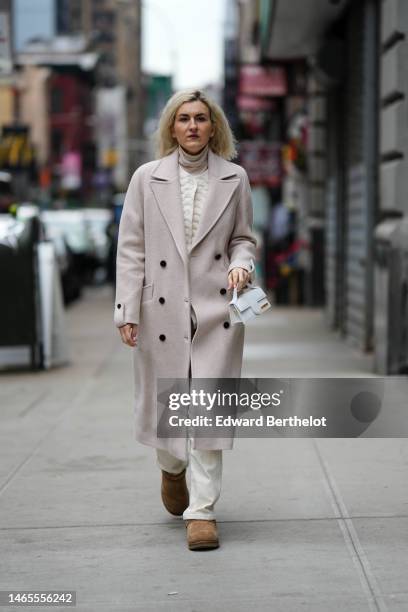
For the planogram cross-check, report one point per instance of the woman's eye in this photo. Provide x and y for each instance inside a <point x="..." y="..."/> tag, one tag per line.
<point x="187" y="119"/>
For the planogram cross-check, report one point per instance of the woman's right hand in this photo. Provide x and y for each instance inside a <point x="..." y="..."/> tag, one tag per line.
<point x="128" y="333"/>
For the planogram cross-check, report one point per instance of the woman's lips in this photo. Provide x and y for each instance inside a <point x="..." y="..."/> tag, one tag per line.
<point x="193" y="136"/>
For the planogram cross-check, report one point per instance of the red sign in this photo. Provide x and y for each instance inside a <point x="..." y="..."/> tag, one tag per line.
<point x="263" y="81"/>
<point x="262" y="161"/>
<point x="253" y="104"/>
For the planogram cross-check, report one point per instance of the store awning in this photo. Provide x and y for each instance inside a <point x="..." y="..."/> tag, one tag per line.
<point x="294" y="28"/>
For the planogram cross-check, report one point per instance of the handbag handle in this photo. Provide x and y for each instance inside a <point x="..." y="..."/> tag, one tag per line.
<point x="235" y="293"/>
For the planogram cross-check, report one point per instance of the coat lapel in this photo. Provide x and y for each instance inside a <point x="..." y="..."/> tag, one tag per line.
<point x="165" y="184"/>
<point x="222" y="182"/>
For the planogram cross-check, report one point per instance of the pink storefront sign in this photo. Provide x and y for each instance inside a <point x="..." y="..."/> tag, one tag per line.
<point x="255" y="104"/>
<point x="71" y="170"/>
<point x="263" y="81"/>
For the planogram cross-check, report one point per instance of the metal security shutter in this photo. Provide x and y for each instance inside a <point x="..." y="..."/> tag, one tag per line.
<point x="334" y="217"/>
<point x="331" y="258"/>
<point x="360" y="171"/>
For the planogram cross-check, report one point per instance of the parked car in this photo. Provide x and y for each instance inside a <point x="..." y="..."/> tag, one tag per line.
<point x="98" y="221"/>
<point x="71" y="225"/>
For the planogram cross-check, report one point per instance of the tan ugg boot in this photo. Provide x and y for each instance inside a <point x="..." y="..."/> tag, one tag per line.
<point x="174" y="492"/>
<point x="201" y="534"/>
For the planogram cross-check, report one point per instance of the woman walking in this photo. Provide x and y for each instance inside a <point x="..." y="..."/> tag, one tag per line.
<point x="185" y="240"/>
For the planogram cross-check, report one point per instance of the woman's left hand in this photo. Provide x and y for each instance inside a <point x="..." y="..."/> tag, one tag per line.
<point x="238" y="277"/>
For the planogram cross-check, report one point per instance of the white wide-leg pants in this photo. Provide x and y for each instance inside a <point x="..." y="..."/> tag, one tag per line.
<point x="205" y="479"/>
<point x="205" y="472"/>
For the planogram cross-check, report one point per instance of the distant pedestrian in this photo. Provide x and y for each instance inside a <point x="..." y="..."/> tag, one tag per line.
<point x="185" y="240"/>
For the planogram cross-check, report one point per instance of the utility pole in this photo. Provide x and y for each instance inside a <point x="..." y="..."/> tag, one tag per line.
<point x="6" y="48"/>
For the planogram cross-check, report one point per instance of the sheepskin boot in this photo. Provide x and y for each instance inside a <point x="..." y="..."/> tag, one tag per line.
<point x="174" y="492"/>
<point x="201" y="534"/>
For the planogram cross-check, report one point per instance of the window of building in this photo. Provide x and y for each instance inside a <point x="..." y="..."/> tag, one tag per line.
<point x="104" y="19"/>
<point x="104" y="37"/>
<point x="56" y="143"/>
<point x="56" y="100"/>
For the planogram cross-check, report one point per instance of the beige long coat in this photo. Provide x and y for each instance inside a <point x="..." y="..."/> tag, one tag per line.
<point x="157" y="281"/>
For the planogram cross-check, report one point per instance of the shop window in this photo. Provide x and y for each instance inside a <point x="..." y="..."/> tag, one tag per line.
<point x="56" y="143"/>
<point x="56" y="100"/>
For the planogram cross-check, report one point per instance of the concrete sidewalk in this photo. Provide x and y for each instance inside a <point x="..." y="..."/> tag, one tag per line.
<point x="305" y="524"/>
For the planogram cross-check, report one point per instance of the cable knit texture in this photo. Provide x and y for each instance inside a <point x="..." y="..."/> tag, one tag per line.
<point x="193" y="173"/>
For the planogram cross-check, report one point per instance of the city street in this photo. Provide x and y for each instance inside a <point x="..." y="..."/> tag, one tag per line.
<point x="304" y="524"/>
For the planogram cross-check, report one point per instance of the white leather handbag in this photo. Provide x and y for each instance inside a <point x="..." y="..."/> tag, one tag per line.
<point x="251" y="303"/>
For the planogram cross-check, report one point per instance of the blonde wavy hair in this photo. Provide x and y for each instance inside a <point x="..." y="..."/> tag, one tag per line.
<point x="223" y="142"/>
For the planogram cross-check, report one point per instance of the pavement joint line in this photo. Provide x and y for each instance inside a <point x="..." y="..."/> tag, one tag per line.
<point x="176" y="522"/>
<point x="177" y="599"/>
<point x="185" y="598"/>
<point x="82" y="395"/>
<point x="33" y="403"/>
<point x="375" y="598"/>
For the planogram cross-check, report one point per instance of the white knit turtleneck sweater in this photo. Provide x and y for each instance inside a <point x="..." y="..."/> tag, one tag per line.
<point x="193" y="173"/>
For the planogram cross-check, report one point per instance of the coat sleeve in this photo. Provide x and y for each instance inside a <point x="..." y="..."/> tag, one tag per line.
<point x="242" y="244"/>
<point x="130" y="256"/>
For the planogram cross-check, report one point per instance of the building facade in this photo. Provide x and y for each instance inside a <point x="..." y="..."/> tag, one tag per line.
<point x="114" y="31"/>
<point x="356" y="156"/>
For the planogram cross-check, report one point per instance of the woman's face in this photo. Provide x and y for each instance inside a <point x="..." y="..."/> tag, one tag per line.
<point x="192" y="126"/>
